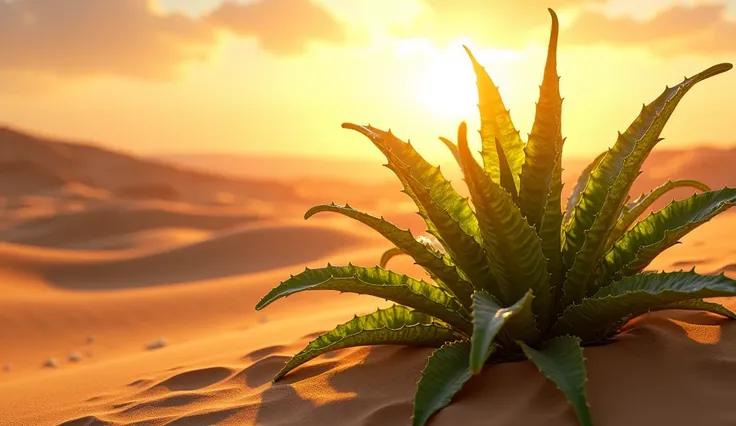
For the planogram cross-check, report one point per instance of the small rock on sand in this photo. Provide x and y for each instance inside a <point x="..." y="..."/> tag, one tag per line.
<point x="157" y="344"/>
<point x="75" y="357"/>
<point x="51" y="363"/>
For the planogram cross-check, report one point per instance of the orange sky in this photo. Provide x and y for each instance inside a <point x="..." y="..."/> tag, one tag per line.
<point x="279" y="76"/>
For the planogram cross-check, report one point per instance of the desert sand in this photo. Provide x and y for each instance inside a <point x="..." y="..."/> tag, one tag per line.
<point x="128" y="291"/>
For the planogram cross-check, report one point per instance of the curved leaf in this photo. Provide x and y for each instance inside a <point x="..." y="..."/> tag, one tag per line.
<point x="540" y="198"/>
<point x="659" y="231"/>
<point x="446" y="373"/>
<point x="506" y="178"/>
<point x="562" y="361"/>
<point x="549" y="233"/>
<point x="512" y="245"/>
<point x="435" y="263"/>
<point x="397" y="325"/>
<point x="605" y="193"/>
<point x="699" y="305"/>
<point x="452" y="147"/>
<point x="448" y="215"/>
<point x="544" y="150"/>
<point x="414" y="165"/>
<point x="488" y="320"/>
<point x="637" y="295"/>
<point x="574" y="197"/>
<point x="640" y="205"/>
<point x="495" y="122"/>
<point x="388" y="255"/>
<point x="464" y="249"/>
<point x="378" y="282"/>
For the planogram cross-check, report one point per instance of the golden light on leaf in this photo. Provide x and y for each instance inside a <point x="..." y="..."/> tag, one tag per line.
<point x="445" y="86"/>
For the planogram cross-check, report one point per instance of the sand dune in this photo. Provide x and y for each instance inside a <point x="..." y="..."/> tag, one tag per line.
<point x="92" y="228"/>
<point x="690" y="352"/>
<point x="235" y="252"/>
<point x="128" y="292"/>
<point x="40" y="164"/>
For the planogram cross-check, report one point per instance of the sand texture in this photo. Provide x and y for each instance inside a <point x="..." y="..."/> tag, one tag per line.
<point x="128" y="292"/>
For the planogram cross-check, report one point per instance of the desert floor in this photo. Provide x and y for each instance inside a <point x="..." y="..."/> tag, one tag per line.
<point x="128" y="309"/>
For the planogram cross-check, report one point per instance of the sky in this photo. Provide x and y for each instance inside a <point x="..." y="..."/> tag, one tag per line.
<point x="278" y="77"/>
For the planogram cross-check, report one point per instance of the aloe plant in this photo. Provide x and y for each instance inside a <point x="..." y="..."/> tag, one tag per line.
<point x="513" y="276"/>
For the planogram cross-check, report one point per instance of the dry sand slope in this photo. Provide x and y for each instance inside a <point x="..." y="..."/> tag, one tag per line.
<point x="146" y="307"/>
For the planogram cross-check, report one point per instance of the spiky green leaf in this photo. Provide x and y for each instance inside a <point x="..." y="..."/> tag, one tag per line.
<point x="640" y="205"/>
<point x="507" y="178"/>
<point x="637" y="295"/>
<point x="435" y="263"/>
<point x="659" y="231"/>
<point x="463" y="248"/>
<point x="378" y="282"/>
<point x="561" y="361"/>
<point x="512" y="245"/>
<point x="549" y="232"/>
<point x="543" y="151"/>
<point x="488" y="320"/>
<point x="440" y="189"/>
<point x="396" y="325"/>
<point x="388" y="255"/>
<point x="605" y="193"/>
<point x="495" y="122"/>
<point x="448" y="215"/>
<point x="699" y="305"/>
<point x="446" y="372"/>
<point x="452" y="147"/>
<point x="574" y="197"/>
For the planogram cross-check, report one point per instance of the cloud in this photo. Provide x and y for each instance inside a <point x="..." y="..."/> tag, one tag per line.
<point x="701" y="29"/>
<point x="132" y="38"/>
<point x="493" y="23"/>
<point x="282" y="26"/>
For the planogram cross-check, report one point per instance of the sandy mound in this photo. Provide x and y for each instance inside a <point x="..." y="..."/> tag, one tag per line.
<point x="631" y="382"/>
<point x="92" y="229"/>
<point x="230" y="253"/>
<point x="37" y="164"/>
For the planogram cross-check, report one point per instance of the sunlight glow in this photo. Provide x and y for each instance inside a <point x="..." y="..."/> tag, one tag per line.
<point x="446" y="85"/>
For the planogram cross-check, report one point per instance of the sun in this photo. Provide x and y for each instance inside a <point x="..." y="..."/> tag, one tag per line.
<point x="446" y="86"/>
<point x="444" y="82"/>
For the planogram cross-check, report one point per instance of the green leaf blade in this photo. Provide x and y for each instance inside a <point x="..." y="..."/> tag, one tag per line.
<point x="446" y="373"/>
<point x="549" y="233"/>
<point x="435" y="263"/>
<point x="580" y="185"/>
<point x="495" y="122"/>
<point x="543" y="152"/>
<point x="513" y="247"/>
<point x="388" y="255"/>
<point x="635" y="209"/>
<point x="506" y="179"/>
<point x="396" y="325"/>
<point x="447" y="214"/>
<point x="561" y="361"/>
<point x="377" y="282"/>
<point x="699" y="305"/>
<point x="465" y="249"/>
<point x="488" y="320"/>
<point x="635" y="296"/>
<point x="602" y="200"/>
<point x="659" y="231"/>
<point x="452" y="148"/>
<point x="403" y="154"/>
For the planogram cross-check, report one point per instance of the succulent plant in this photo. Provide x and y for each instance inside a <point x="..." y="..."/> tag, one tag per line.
<point x="514" y="276"/>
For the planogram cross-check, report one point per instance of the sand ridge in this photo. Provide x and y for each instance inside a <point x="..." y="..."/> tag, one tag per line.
<point x="141" y="305"/>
